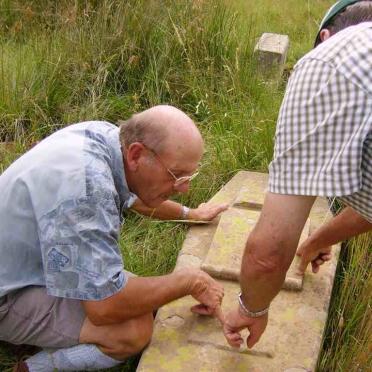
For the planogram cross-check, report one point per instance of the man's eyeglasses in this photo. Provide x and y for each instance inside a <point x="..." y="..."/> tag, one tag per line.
<point x="178" y="181"/>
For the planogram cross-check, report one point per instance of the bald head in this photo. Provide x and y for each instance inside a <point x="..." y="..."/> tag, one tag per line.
<point x="163" y="129"/>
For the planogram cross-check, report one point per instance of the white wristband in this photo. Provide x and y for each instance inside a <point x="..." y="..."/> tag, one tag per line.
<point x="185" y="212"/>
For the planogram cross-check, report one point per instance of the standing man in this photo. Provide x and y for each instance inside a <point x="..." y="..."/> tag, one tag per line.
<point x="323" y="147"/>
<point x="63" y="286"/>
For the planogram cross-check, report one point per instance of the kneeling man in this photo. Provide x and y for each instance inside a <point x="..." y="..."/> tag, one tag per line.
<point x="63" y="286"/>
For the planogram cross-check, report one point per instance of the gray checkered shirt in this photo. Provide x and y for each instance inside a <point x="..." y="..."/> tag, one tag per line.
<point x="323" y="140"/>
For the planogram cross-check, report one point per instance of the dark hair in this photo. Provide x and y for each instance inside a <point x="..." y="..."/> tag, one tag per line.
<point x="351" y="15"/>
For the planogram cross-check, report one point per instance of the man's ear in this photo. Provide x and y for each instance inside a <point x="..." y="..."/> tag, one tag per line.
<point x="324" y="34"/>
<point x="133" y="155"/>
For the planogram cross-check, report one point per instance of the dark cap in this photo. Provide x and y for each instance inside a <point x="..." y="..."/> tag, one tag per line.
<point x="337" y="8"/>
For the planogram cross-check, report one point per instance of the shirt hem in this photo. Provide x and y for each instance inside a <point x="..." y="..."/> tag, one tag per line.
<point x="76" y="294"/>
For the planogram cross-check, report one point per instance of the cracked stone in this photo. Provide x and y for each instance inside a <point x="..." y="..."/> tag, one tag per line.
<point x="174" y="321"/>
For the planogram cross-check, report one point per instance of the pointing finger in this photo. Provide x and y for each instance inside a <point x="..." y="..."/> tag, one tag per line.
<point x="302" y="265"/>
<point x="219" y="315"/>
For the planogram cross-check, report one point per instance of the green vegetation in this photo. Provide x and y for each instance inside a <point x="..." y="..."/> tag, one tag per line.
<point x="68" y="61"/>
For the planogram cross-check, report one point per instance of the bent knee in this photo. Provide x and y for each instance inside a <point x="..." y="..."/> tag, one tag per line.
<point x="143" y="328"/>
<point x="138" y="337"/>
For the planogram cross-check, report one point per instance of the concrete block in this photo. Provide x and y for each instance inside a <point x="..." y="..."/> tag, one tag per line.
<point x="271" y="51"/>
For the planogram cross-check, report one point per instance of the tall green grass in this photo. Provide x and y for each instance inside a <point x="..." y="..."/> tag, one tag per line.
<point x="68" y="61"/>
<point x="348" y="342"/>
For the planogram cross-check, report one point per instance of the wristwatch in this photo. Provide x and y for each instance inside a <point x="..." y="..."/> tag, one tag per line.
<point x="246" y="312"/>
<point x="185" y="212"/>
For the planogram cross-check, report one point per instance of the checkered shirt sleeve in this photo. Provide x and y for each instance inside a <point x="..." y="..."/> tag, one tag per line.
<point x="323" y="140"/>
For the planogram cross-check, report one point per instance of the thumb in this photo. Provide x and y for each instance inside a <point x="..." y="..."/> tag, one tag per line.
<point x="253" y="338"/>
<point x="223" y="207"/>
<point x="300" y="250"/>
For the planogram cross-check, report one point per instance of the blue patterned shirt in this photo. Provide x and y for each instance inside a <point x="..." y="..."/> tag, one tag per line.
<point x="60" y="210"/>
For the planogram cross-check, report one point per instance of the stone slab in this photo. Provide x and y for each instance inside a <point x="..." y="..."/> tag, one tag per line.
<point x="184" y="341"/>
<point x="247" y="198"/>
<point x="223" y="259"/>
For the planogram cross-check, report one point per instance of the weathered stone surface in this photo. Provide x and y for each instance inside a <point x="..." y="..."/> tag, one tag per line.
<point x="247" y="198"/>
<point x="183" y="341"/>
<point x="271" y="51"/>
<point x="188" y="260"/>
<point x="224" y="256"/>
<point x="174" y="321"/>
<point x="223" y="260"/>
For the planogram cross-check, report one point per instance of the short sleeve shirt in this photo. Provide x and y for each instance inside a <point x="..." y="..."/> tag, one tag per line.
<point x="323" y="144"/>
<point x="61" y="209"/>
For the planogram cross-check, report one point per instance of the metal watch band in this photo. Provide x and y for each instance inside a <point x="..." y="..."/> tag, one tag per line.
<point x="251" y="314"/>
<point x="185" y="212"/>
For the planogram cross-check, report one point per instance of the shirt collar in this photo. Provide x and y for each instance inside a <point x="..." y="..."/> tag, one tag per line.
<point x="127" y="198"/>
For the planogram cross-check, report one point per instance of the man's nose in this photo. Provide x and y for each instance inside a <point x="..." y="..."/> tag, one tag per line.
<point x="183" y="187"/>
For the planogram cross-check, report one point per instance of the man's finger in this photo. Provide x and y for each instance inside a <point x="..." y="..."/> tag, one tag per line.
<point x="201" y="309"/>
<point x="234" y="339"/>
<point x="252" y="339"/>
<point x="299" y="251"/>
<point x="315" y="267"/>
<point x="302" y="265"/>
<point x="219" y="315"/>
<point x="217" y="210"/>
<point x="223" y="207"/>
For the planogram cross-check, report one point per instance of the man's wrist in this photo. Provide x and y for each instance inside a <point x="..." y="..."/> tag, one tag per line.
<point x="251" y="314"/>
<point x="196" y="280"/>
<point x="185" y="279"/>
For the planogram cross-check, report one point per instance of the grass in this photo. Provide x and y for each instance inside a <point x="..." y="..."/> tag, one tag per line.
<point x="68" y="61"/>
<point x="347" y="345"/>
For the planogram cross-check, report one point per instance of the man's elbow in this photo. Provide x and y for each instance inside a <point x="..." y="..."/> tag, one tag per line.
<point x="98" y="313"/>
<point x="265" y="259"/>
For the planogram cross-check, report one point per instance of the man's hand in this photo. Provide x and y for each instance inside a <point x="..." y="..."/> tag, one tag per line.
<point x="309" y="252"/>
<point x="235" y="322"/>
<point x="317" y="247"/>
<point x="208" y="292"/>
<point x="206" y="211"/>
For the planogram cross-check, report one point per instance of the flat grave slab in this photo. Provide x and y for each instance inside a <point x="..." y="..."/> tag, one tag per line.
<point x="184" y="341"/>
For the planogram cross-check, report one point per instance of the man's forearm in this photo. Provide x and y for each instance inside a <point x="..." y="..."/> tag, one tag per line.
<point x="262" y="275"/>
<point x="271" y="247"/>
<point x="141" y="295"/>
<point x="167" y="210"/>
<point x="345" y="225"/>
